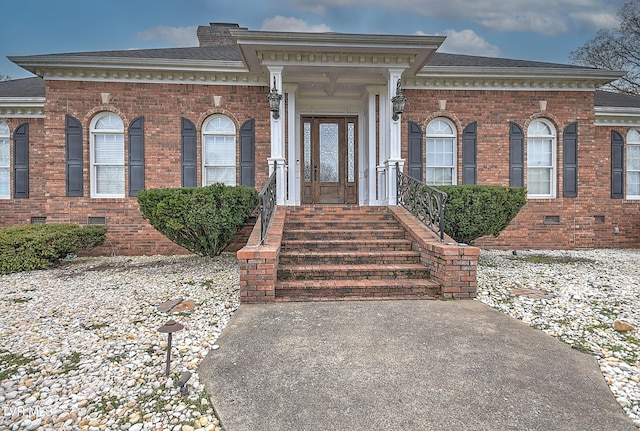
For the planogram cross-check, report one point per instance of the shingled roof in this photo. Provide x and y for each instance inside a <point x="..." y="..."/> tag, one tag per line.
<point x="458" y="60"/>
<point x="616" y="100"/>
<point x="26" y="87"/>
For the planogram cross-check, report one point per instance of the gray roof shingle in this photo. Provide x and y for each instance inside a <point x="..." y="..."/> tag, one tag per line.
<point x="444" y="59"/>
<point x="617" y="100"/>
<point x="219" y="53"/>
<point x="26" y="87"/>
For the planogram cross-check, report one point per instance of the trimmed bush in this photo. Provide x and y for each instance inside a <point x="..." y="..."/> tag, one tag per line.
<point x="203" y="220"/>
<point x="24" y="248"/>
<point x="473" y="211"/>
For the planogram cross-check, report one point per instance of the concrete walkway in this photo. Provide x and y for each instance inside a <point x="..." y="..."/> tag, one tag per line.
<point x="401" y="365"/>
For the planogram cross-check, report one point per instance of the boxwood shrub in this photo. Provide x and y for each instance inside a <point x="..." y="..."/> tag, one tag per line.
<point x="473" y="211"/>
<point x="24" y="248"/>
<point x="203" y="220"/>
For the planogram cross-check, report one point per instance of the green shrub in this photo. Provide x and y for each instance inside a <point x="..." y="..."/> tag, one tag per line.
<point x="203" y="220"/>
<point x="474" y="211"/>
<point x="24" y="248"/>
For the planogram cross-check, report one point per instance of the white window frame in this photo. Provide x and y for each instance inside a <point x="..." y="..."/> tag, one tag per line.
<point x="633" y="144"/>
<point x="116" y="132"/>
<point x="534" y="136"/>
<point x="5" y="166"/>
<point x="442" y="134"/>
<point x="218" y="127"/>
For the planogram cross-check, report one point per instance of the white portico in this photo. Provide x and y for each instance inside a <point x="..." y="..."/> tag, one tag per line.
<point x="335" y="140"/>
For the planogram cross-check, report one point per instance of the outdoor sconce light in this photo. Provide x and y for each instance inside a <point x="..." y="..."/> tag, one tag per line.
<point x="169" y="328"/>
<point x="274" y="100"/>
<point x="398" y="102"/>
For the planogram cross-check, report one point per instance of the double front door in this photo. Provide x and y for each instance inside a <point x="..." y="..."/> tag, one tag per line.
<point x="329" y="160"/>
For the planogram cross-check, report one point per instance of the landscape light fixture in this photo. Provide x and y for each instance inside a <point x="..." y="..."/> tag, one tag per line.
<point x="398" y="102"/>
<point x="274" y="100"/>
<point x="169" y="328"/>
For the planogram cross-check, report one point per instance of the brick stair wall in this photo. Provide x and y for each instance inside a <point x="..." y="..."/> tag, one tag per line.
<point x="348" y="252"/>
<point x="314" y="253"/>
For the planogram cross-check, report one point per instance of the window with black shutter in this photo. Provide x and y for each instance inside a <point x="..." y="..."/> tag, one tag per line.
<point x="469" y="153"/>
<point x="73" y="132"/>
<point x="136" y="156"/>
<point x="21" y="161"/>
<point x="189" y="153"/>
<point x="516" y="155"/>
<point x="570" y="167"/>
<point x="617" y="165"/>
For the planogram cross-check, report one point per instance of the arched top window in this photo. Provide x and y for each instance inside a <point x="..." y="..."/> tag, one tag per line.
<point x="107" y="121"/>
<point x="541" y="159"/>
<point x="441" y="127"/>
<point x="107" y="156"/>
<point x="633" y="164"/>
<point x="219" y="151"/>
<point x="442" y="149"/>
<point x="5" y="161"/>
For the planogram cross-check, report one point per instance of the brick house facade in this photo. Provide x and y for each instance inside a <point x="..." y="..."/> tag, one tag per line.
<point x="166" y="101"/>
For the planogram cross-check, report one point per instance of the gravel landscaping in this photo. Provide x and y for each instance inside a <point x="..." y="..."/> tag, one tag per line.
<point x="576" y="296"/>
<point x="80" y="347"/>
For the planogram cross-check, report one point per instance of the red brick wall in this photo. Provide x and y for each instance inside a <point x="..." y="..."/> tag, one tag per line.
<point x="494" y="110"/>
<point x="19" y="211"/>
<point x="163" y="106"/>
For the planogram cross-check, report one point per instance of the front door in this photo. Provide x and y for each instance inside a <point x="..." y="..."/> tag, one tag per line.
<point x="329" y="154"/>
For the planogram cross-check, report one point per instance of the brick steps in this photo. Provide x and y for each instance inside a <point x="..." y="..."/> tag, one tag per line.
<point x="348" y="252"/>
<point x="319" y="290"/>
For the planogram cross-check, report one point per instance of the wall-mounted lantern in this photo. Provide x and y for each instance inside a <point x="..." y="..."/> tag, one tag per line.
<point x="274" y="100"/>
<point x="398" y="102"/>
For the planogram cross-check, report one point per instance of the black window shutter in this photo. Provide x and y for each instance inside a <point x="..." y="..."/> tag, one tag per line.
<point x="617" y="165"/>
<point x="136" y="156"/>
<point x="21" y="161"/>
<point x="570" y="168"/>
<point x="247" y="153"/>
<point x="516" y="155"/>
<point x="73" y="132"/>
<point x="469" y="153"/>
<point x="415" y="151"/>
<point x="189" y="153"/>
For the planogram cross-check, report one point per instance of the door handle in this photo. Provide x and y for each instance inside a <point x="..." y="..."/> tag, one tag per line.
<point x="315" y="172"/>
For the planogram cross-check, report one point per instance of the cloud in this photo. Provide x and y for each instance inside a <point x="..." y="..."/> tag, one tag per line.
<point x="595" y="21"/>
<point x="174" y="36"/>
<point x="283" y="23"/>
<point x="548" y="17"/>
<point x="468" y="42"/>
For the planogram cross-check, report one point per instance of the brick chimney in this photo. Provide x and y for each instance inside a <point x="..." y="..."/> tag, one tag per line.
<point x="217" y="34"/>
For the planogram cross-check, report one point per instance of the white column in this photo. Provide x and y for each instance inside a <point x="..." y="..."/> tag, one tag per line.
<point x="294" y="148"/>
<point x="384" y="111"/>
<point x="372" y="136"/>
<point x="277" y="139"/>
<point x="395" y="137"/>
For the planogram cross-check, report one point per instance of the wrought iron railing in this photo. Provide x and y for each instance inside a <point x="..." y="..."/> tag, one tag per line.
<point x="267" y="203"/>
<point x="426" y="203"/>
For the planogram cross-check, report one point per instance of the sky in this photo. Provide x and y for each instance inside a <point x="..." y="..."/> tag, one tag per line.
<point x="542" y="30"/>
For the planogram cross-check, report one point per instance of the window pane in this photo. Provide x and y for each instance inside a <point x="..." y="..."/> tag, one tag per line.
<point x="539" y="152"/>
<point x="633" y="157"/>
<point x="5" y="159"/>
<point x="220" y="125"/>
<point x="329" y="152"/>
<point x="4" y="183"/>
<point x="539" y="181"/>
<point x="440" y="176"/>
<point x="4" y="130"/>
<point x="440" y="152"/>
<point x="439" y="127"/>
<point x="110" y="180"/>
<point x="307" y="152"/>
<point x="109" y="122"/>
<point x="539" y="128"/>
<point x="226" y="175"/>
<point x="351" y="152"/>
<point x="109" y="149"/>
<point x="633" y="184"/>
<point x="219" y="151"/>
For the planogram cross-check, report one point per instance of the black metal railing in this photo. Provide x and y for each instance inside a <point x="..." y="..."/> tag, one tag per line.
<point x="426" y="203"/>
<point x="267" y="203"/>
